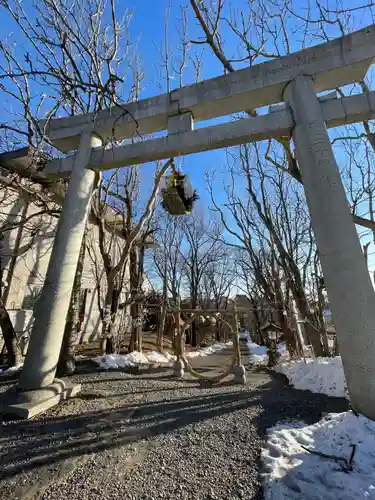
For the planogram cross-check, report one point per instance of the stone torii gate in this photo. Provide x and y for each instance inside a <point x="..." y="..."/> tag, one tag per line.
<point x="295" y="79"/>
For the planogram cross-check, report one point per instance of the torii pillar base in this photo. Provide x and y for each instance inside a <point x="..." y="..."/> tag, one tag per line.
<point x="28" y="404"/>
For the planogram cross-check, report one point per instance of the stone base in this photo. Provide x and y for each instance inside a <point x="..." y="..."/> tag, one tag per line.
<point x="239" y="373"/>
<point x="27" y="404"/>
<point x="178" y="369"/>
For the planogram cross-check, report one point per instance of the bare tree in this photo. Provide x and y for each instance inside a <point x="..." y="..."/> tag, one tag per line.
<point x="72" y="53"/>
<point x="200" y="250"/>
<point x="288" y="227"/>
<point x="81" y="58"/>
<point x="260" y="297"/>
<point x="218" y="282"/>
<point x="169" y="236"/>
<point x="71" y="64"/>
<point x="218" y="278"/>
<point x="271" y="225"/>
<point x="266" y="30"/>
<point x="117" y="195"/>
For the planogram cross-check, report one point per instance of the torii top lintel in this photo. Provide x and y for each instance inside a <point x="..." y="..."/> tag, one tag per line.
<point x="338" y="62"/>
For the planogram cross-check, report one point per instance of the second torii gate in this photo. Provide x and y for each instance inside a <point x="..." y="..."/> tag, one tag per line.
<point x="295" y="79"/>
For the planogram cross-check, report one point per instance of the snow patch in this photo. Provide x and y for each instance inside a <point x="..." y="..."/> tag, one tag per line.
<point x="292" y="472"/>
<point x="258" y="353"/>
<point x="133" y="359"/>
<point x="245" y="335"/>
<point x="115" y="361"/>
<point x="322" y="375"/>
<point x="208" y="350"/>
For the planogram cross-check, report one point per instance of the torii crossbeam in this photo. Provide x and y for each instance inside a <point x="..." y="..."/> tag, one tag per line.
<point x="295" y="79"/>
<point x="339" y="62"/>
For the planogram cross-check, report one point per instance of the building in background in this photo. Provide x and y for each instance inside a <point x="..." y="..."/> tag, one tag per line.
<point x="25" y="253"/>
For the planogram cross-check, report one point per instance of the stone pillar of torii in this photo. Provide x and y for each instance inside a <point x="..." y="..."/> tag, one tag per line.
<point x="295" y="79"/>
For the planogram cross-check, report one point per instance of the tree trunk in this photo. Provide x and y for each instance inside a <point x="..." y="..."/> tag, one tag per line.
<point x="133" y="294"/>
<point x="136" y="276"/>
<point x="160" y="327"/>
<point x="194" y="326"/>
<point x="103" y="345"/>
<point x="321" y="318"/>
<point x="66" y="364"/>
<point x="135" y="341"/>
<point x="256" y="322"/>
<point x="113" y="339"/>
<point x="10" y="339"/>
<point x="313" y="334"/>
<point x="9" y="335"/>
<point x="194" y="334"/>
<point x="218" y="332"/>
<point x="218" y="325"/>
<point x="289" y="335"/>
<point x="109" y="345"/>
<point x="163" y="311"/>
<point x="105" y="335"/>
<point x="281" y="314"/>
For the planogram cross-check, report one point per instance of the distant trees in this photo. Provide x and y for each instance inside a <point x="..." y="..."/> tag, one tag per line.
<point x="198" y="266"/>
<point x="266" y="218"/>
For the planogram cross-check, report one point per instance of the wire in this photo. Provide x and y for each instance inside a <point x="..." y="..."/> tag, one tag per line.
<point x="173" y="168"/>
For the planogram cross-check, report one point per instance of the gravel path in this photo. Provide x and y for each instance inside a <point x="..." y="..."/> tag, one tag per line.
<point x="150" y="437"/>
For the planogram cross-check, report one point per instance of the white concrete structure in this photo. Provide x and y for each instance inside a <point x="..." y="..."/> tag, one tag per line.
<point x="49" y="324"/>
<point x="332" y="64"/>
<point x="336" y="112"/>
<point x="304" y="73"/>
<point x="345" y="271"/>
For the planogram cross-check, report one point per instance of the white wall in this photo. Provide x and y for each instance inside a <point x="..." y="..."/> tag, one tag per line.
<point x="26" y="278"/>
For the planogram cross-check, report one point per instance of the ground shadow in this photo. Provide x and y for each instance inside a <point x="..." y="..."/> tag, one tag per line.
<point x="7" y="379"/>
<point x="51" y="440"/>
<point x="54" y="439"/>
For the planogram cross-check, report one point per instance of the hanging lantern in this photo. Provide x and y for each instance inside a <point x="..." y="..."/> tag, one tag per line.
<point x="177" y="194"/>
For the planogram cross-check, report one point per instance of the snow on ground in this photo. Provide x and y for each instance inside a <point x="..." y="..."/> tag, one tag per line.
<point x="208" y="350"/>
<point x="293" y="473"/>
<point x="113" y="361"/>
<point x="323" y="375"/>
<point x="258" y="353"/>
